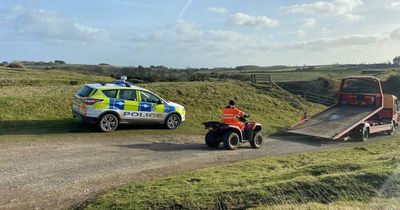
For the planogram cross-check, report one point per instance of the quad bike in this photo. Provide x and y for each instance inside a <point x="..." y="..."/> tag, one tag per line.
<point x="232" y="135"/>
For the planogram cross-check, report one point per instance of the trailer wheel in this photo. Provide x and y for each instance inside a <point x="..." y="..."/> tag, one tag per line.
<point x="391" y="131"/>
<point x="364" y="134"/>
<point x="231" y="140"/>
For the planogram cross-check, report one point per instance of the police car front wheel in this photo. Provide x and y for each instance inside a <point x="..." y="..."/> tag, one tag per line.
<point x="108" y="122"/>
<point x="172" y="121"/>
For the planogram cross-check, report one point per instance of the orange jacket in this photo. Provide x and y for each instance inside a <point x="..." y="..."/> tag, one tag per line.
<point x="230" y="115"/>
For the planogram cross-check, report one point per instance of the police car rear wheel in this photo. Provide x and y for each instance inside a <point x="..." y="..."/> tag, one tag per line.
<point x="108" y="123"/>
<point x="173" y="121"/>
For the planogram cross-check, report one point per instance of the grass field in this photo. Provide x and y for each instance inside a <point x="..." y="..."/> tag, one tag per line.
<point x="286" y="76"/>
<point x="290" y="74"/>
<point x="365" y="177"/>
<point x="39" y="102"/>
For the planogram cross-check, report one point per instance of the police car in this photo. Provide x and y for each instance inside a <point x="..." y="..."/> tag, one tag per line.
<point x="121" y="102"/>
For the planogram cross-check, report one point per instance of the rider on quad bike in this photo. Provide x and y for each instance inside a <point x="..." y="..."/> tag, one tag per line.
<point x="231" y="114"/>
<point x="233" y="130"/>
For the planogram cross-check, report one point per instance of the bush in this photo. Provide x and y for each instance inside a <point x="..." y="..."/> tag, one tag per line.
<point x="73" y="82"/>
<point x="59" y="62"/>
<point x="391" y="85"/>
<point x="15" y="65"/>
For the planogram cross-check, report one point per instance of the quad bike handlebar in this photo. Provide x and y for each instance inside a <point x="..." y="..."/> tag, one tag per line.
<point x="244" y="118"/>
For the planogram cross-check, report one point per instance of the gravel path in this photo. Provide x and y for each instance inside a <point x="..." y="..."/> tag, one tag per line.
<point x="60" y="173"/>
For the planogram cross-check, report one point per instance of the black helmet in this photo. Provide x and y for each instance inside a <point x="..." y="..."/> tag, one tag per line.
<point x="232" y="102"/>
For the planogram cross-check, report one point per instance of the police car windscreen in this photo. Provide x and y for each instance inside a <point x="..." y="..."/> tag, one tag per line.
<point x="85" y="91"/>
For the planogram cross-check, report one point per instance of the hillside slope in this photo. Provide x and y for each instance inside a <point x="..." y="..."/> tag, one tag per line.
<point x="42" y="98"/>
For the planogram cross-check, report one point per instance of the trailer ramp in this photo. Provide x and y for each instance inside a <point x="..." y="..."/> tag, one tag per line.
<point x="333" y="121"/>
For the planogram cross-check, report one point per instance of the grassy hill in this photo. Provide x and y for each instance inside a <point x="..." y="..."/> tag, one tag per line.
<point x="39" y="101"/>
<point x="364" y="177"/>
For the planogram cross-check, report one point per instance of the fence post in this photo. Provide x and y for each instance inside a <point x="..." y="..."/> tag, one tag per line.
<point x="253" y="78"/>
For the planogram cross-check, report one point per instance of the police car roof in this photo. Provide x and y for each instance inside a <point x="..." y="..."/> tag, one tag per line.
<point x="113" y="86"/>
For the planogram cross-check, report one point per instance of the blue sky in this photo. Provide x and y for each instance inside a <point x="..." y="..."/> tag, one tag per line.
<point x="200" y="33"/>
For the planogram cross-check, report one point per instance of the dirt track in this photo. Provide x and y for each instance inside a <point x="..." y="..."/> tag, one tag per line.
<point x="56" y="174"/>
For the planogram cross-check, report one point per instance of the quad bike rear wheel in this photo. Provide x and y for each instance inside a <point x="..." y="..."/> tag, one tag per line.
<point x="256" y="141"/>
<point x="212" y="139"/>
<point x="231" y="140"/>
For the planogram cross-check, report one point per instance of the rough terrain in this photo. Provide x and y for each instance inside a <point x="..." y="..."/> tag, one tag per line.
<point x="62" y="173"/>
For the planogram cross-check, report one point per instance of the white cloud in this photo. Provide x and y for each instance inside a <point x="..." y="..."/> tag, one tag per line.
<point x="325" y="32"/>
<point x="395" y="35"/>
<point x="300" y="33"/>
<point x="338" y="42"/>
<point x="341" y="8"/>
<point x="394" y="5"/>
<point x="218" y="10"/>
<point x="309" y="23"/>
<point x="45" y="25"/>
<point x="190" y="37"/>
<point x="352" y="17"/>
<point x="186" y="37"/>
<point x="241" y="19"/>
<point x="199" y="47"/>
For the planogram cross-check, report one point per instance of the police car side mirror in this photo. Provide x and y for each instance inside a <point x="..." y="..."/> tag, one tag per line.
<point x="160" y="102"/>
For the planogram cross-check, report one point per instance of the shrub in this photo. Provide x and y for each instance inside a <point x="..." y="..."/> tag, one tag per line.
<point x="73" y="82"/>
<point x="59" y="62"/>
<point x="15" y="65"/>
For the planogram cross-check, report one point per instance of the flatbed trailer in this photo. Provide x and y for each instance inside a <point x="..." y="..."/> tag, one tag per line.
<point x="356" y="114"/>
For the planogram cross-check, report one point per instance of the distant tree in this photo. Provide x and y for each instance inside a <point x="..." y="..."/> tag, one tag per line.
<point x="59" y="62"/>
<point x="391" y="85"/>
<point x="396" y="61"/>
<point x="140" y="68"/>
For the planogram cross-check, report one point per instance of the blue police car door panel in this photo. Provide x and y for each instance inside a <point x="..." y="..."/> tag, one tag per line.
<point x="130" y="105"/>
<point x="150" y="107"/>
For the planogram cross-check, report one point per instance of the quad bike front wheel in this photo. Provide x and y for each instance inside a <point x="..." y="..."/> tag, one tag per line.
<point x="212" y="139"/>
<point x="256" y="141"/>
<point x="231" y="140"/>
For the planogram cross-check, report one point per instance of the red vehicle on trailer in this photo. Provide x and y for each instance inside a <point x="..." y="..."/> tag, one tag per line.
<point x="361" y="109"/>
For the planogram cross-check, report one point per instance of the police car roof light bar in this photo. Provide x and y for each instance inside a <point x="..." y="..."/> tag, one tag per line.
<point x="123" y="81"/>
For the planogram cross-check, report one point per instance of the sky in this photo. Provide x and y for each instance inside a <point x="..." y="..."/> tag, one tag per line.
<point x="200" y="33"/>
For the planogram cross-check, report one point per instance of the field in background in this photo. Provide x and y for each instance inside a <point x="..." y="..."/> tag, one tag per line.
<point x="280" y="73"/>
<point x="39" y="102"/>
<point x="365" y="177"/>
